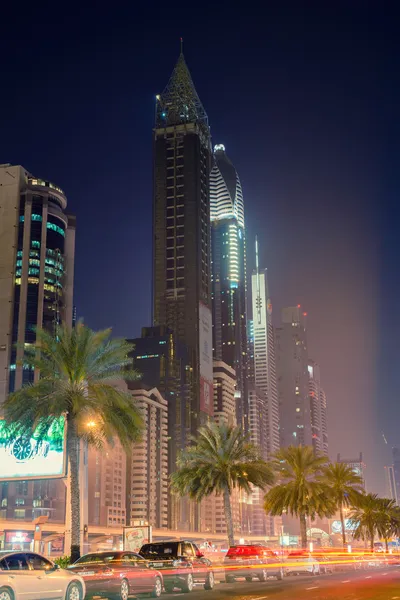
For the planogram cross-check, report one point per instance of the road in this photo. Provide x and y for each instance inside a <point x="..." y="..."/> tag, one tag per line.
<point x="374" y="584"/>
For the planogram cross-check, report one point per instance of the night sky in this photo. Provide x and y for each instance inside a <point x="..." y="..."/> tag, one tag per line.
<point x="306" y="102"/>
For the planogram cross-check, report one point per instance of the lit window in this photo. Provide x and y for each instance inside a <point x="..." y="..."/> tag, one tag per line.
<point x="297" y="410"/>
<point x="56" y="228"/>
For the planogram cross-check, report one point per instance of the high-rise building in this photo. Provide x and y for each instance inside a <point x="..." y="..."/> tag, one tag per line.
<point x="264" y="356"/>
<point x="293" y="379"/>
<point x="356" y="463"/>
<point x="37" y="246"/>
<point x="107" y="486"/>
<point x="224" y="393"/>
<point x="147" y="465"/>
<point x="318" y="409"/>
<point x="228" y="271"/>
<point x="181" y="234"/>
<point x="163" y="362"/>
<point x="396" y="468"/>
<point x="390" y="484"/>
<point x="213" y="514"/>
<point x="262" y="391"/>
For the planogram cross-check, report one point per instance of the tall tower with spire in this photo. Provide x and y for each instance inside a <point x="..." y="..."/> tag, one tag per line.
<point x="181" y="243"/>
<point x="228" y="269"/>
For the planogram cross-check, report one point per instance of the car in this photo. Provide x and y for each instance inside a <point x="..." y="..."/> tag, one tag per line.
<point x="302" y="561"/>
<point x="250" y="561"/>
<point x="182" y="564"/>
<point x="31" y="576"/>
<point x="117" y="575"/>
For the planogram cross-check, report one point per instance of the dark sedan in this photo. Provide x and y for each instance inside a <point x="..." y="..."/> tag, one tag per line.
<point x="117" y="575"/>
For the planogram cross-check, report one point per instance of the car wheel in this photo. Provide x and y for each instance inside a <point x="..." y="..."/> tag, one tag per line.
<point x="157" y="590"/>
<point x="188" y="584"/>
<point x="124" y="590"/>
<point x="6" y="594"/>
<point x="263" y="576"/>
<point x="280" y="575"/>
<point x="169" y="588"/>
<point x="210" y="581"/>
<point x="74" y="591"/>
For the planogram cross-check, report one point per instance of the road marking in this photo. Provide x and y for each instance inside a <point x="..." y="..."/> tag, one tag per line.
<point x="369" y="577"/>
<point x="395" y="597"/>
<point x="385" y="573"/>
<point x="346" y="581"/>
<point x="313" y="588"/>
<point x="261" y="597"/>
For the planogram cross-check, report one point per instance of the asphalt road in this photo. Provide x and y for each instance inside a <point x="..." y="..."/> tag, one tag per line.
<point x="373" y="584"/>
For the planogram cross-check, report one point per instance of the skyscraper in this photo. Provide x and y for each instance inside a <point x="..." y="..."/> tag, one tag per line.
<point x="181" y="240"/>
<point x="293" y="379"/>
<point x="229" y="274"/>
<point x="318" y="409"/>
<point x="264" y="356"/>
<point x="396" y="469"/>
<point x="181" y="212"/>
<point x="37" y="244"/>
<point x="390" y="484"/>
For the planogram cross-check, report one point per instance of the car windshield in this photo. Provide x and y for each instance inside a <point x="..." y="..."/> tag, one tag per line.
<point x="164" y="550"/>
<point x="99" y="558"/>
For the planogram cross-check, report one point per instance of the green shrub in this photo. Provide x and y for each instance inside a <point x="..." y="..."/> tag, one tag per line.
<point x="63" y="561"/>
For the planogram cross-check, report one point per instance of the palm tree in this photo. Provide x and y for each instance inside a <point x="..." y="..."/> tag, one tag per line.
<point x="300" y="490"/>
<point x="365" y="517"/>
<point x="77" y="368"/>
<point x="344" y="485"/>
<point x="219" y="460"/>
<point x="388" y="519"/>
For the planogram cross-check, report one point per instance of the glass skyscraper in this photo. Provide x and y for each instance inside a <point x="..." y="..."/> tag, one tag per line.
<point x="228" y="248"/>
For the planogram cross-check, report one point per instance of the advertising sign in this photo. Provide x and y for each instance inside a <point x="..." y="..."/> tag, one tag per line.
<point x="206" y="360"/>
<point x="135" y="537"/>
<point x="30" y="457"/>
<point x="336" y="526"/>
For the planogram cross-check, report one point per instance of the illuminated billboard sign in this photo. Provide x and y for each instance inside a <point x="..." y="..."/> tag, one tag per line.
<point x="23" y="457"/>
<point x="206" y="360"/>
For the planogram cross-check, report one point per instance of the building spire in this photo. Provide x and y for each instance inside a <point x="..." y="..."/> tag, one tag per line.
<point x="179" y="103"/>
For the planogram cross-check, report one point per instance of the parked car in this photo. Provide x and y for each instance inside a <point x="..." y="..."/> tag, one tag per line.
<point x="30" y="576"/>
<point x="117" y="575"/>
<point x="252" y="560"/>
<point x="181" y="563"/>
<point x="302" y="561"/>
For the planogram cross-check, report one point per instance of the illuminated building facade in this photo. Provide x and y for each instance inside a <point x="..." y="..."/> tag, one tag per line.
<point x="396" y="468"/>
<point x="181" y="233"/>
<point x="107" y="486"/>
<point x="147" y="465"/>
<point x="229" y="274"/>
<point x="264" y="361"/>
<point x="37" y="247"/>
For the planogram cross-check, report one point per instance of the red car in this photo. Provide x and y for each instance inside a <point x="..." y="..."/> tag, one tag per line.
<point x="117" y="575"/>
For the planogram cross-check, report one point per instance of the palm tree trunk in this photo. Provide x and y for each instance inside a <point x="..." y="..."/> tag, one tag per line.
<point x="73" y="458"/>
<point x="228" y="517"/>
<point x="386" y="545"/>
<point x="343" y="524"/>
<point x="372" y="536"/>
<point x="303" y="530"/>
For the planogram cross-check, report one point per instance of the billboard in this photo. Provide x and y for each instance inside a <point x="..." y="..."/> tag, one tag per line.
<point x="206" y="360"/>
<point x="24" y="457"/>
<point x="135" y="537"/>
